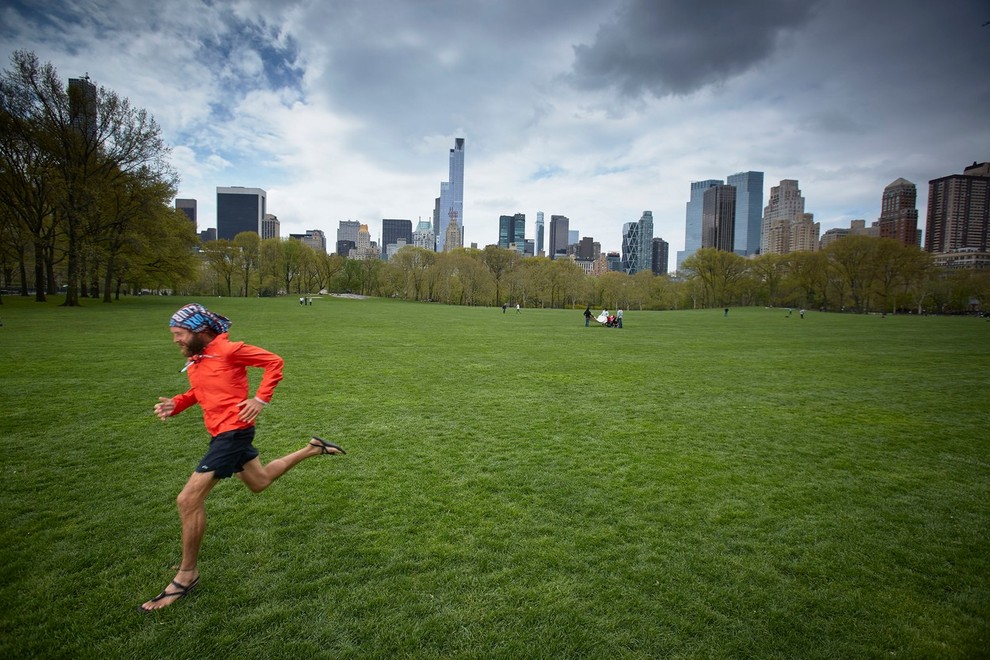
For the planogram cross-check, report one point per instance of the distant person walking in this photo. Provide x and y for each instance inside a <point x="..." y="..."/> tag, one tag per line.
<point x="587" y="316"/>
<point x="217" y="371"/>
<point x="726" y="312"/>
<point x="618" y="317"/>
<point x="518" y="310"/>
<point x="801" y="313"/>
<point x="504" y="307"/>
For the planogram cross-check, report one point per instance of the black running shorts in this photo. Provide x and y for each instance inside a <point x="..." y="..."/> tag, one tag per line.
<point x="228" y="453"/>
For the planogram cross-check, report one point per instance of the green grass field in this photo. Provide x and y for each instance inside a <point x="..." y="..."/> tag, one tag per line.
<point x="516" y="486"/>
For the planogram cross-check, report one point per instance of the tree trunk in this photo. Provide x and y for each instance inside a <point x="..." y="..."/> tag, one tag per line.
<point x="72" y="268"/>
<point x="50" y="274"/>
<point x="39" y="274"/>
<point x="108" y="281"/>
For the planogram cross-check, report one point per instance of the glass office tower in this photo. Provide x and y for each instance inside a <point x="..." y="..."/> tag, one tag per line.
<point x="749" y="211"/>
<point x="451" y="207"/>
<point x="239" y="209"/>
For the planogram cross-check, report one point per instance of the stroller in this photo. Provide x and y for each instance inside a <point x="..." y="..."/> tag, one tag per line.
<point x="607" y="320"/>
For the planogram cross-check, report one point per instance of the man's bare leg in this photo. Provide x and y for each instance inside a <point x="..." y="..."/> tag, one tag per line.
<point x="258" y="477"/>
<point x="192" y="512"/>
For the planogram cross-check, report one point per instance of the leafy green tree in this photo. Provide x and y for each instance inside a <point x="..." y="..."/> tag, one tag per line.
<point x="472" y="283"/>
<point x="87" y="143"/>
<point x="270" y="266"/>
<point x="534" y="281"/>
<point x="809" y="272"/>
<point x="769" y="271"/>
<point x="14" y="243"/>
<point x="328" y="266"/>
<point x="501" y="263"/>
<point x="370" y="270"/>
<point x="308" y="276"/>
<point x="609" y="288"/>
<point x="248" y="244"/>
<point x="719" y="272"/>
<point x="664" y="293"/>
<point x="28" y="188"/>
<point x="565" y="280"/>
<point x="639" y="290"/>
<point x="897" y="264"/>
<point x="413" y="265"/>
<point x="292" y="263"/>
<point x="854" y="264"/>
<point x="122" y="211"/>
<point x="159" y="253"/>
<point x="224" y="260"/>
<point x="918" y="284"/>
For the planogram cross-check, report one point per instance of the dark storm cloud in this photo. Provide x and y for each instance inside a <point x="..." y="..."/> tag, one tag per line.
<point x="666" y="47"/>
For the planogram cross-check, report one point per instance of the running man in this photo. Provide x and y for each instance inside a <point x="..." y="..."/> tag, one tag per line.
<point x="217" y="371"/>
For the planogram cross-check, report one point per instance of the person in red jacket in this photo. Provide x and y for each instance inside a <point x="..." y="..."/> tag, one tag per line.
<point x="217" y="371"/>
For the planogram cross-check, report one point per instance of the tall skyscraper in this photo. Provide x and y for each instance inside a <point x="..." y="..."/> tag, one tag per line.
<point x="645" y="256"/>
<point x="394" y="231"/>
<point x="559" y="230"/>
<point x="347" y="230"/>
<point x="347" y="236"/>
<point x="957" y="229"/>
<point x="239" y="209"/>
<point x="749" y="211"/>
<point x="83" y="106"/>
<point x="588" y="249"/>
<point x="270" y="226"/>
<point x="692" y="222"/>
<point x="718" y="218"/>
<point x="637" y="244"/>
<point x="660" y="257"/>
<point x="451" y="204"/>
<point x="365" y="248"/>
<point x="512" y="231"/>
<point x="630" y="246"/>
<point x="314" y="238"/>
<point x="188" y="206"/>
<point x="453" y="239"/>
<point x="504" y="230"/>
<point x="804" y="234"/>
<point x="899" y="212"/>
<point x="539" y="232"/>
<point x="784" y="209"/>
<point x="424" y="237"/>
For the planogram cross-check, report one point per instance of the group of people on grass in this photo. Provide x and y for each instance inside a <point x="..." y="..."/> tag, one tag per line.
<point x="605" y="319"/>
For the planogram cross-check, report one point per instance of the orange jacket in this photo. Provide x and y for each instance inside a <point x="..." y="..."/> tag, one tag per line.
<point x="218" y="382"/>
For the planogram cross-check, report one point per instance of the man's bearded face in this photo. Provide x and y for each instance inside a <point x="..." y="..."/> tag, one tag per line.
<point x="191" y="343"/>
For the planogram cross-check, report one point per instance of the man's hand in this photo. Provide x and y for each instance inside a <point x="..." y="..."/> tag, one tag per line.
<point x="250" y="409"/>
<point x="165" y="408"/>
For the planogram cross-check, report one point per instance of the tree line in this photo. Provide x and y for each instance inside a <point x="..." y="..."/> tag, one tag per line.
<point x="856" y="273"/>
<point x="85" y="211"/>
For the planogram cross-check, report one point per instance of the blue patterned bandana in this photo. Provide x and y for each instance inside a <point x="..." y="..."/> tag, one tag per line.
<point x="196" y="318"/>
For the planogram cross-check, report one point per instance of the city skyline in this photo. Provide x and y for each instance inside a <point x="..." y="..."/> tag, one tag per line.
<point x="784" y="225"/>
<point x="344" y="110"/>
